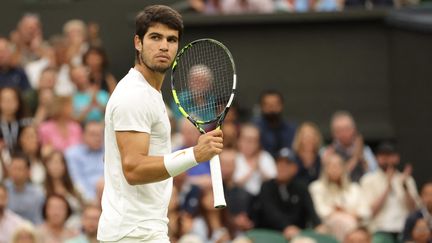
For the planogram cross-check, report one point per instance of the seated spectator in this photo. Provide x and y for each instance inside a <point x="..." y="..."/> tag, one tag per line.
<point x="89" y="100"/>
<point x="64" y="85"/>
<point x="348" y="143"/>
<point x="46" y="80"/>
<point x="12" y="116"/>
<point x="424" y="212"/>
<point x="25" y="233"/>
<point x="306" y="146"/>
<point x="337" y="200"/>
<point x="56" y="211"/>
<point x="238" y="199"/>
<point x="276" y="132"/>
<point x="231" y="6"/>
<point x="11" y="75"/>
<point x="61" y="130"/>
<point x="28" y="40"/>
<point x="29" y="144"/>
<point x="89" y="222"/>
<point x="285" y="203"/>
<point x="210" y="224"/>
<point x="93" y="34"/>
<point x="25" y="199"/>
<point x="75" y="34"/>
<point x="85" y="160"/>
<point x="97" y="62"/>
<point x="390" y="194"/>
<point x="253" y="164"/>
<point x="327" y="5"/>
<point x="359" y="235"/>
<point x="58" y="181"/>
<point x="9" y="221"/>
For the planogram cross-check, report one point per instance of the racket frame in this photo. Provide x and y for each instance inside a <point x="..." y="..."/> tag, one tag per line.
<point x="219" y="199"/>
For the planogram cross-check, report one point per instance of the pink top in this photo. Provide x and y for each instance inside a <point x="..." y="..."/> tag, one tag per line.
<point x="50" y="134"/>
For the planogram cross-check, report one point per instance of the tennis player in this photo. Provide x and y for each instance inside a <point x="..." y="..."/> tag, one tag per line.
<point x="139" y="165"/>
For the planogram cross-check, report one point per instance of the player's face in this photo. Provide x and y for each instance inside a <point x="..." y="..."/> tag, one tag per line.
<point x="159" y="47"/>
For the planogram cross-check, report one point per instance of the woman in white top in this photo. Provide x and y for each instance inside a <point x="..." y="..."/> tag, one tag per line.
<point x="253" y="164"/>
<point x="337" y="200"/>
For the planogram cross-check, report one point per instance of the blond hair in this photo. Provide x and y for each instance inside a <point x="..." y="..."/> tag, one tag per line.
<point x="299" y="133"/>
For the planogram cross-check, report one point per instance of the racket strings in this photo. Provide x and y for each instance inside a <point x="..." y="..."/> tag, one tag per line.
<point x="204" y="80"/>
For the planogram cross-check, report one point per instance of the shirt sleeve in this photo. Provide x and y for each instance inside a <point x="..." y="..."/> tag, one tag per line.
<point x="132" y="114"/>
<point x="268" y="165"/>
<point x="321" y="205"/>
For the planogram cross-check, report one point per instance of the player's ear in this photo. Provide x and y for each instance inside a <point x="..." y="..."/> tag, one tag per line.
<point x="138" y="43"/>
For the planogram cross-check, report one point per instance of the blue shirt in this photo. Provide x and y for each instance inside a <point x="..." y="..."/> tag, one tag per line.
<point x="82" y="99"/>
<point x="200" y="169"/>
<point x="275" y="138"/>
<point x="27" y="203"/>
<point x="14" y="77"/>
<point x="86" y="167"/>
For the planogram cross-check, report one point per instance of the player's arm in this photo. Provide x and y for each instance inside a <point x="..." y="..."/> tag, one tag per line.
<point x="140" y="168"/>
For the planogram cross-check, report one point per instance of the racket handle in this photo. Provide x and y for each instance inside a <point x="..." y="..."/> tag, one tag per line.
<point x="216" y="177"/>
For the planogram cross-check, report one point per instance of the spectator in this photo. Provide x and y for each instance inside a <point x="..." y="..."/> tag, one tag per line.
<point x="390" y="194"/>
<point x="61" y="130"/>
<point x="253" y="164"/>
<point x="231" y="6"/>
<point x="89" y="101"/>
<point x="9" y="221"/>
<point x="10" y="75"/>
<point x="348" y="143"/>
<point x="47" y="80"/>
<point x="286" y="204"/>
<point x="34" y="69"/>
<point x="58" y="182"/>
<point x="25" y="199"/>
<point x="28" y="39"/>
<point x="26" y="233"/>
<point x="424" y="212"/>
<point x="93" y="32"/>
<point x="89" y="222"/>
<point x="238" y="199"/>
<point x="246" y="6"/>
<point x="64" y="85"/>
<point x="210" y="224"/>
<point x="306" y="146"/>
<point x="56" y="211"/>
<point x="85" y="160"/>
<point x="75" y="33"/>
<point x="12" y="115"/>
<point x="337" y="200"/>
<point x="30" y="146"/>
<point x="359" y="235"/>
<point x="97" y="62"/>
<point x="276" y="132"/>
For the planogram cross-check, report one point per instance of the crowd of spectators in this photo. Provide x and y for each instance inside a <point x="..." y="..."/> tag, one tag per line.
<point x="277" y="175"/>
<point x="272" y="6"/>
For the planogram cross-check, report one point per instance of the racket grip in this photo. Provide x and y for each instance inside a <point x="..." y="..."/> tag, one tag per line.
<point x="216" y="177"/>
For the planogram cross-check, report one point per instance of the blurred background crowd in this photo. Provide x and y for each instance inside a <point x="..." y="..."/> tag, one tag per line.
<point x="279" y="176"/>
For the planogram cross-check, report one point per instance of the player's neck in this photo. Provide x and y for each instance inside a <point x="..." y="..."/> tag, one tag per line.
<point x="155" y="79"/>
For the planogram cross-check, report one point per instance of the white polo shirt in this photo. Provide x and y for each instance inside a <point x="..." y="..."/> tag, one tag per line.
<point x="134" y="106"/>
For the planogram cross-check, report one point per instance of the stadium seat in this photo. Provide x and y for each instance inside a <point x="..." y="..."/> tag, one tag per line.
<point x="321" y="238"/>
<point x="265" y="236"/>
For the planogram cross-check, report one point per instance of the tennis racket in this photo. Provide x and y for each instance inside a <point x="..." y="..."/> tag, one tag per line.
<point x="203" y="82"/>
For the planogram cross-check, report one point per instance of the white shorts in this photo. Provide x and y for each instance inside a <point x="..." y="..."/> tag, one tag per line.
<point x="141" y="235"/>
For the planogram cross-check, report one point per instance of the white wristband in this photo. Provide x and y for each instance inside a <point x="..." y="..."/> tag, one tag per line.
<point x="179" y="161"/>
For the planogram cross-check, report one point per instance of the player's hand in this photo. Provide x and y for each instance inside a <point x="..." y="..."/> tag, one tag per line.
<point x="209" y="145"/>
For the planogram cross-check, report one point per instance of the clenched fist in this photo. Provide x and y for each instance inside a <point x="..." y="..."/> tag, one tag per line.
<point x="209" y="145"/>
